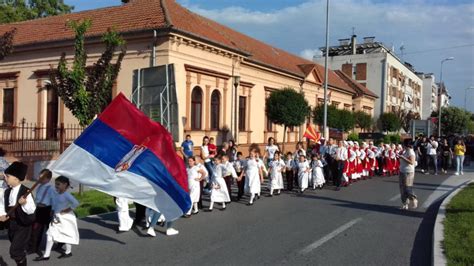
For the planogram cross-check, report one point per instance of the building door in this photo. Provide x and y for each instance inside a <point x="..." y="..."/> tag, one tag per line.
<point x="52" y="114"/>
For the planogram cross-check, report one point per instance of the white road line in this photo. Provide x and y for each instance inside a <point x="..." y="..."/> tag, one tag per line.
<point x="329" y="236"/>
<point x="395" y="198"/>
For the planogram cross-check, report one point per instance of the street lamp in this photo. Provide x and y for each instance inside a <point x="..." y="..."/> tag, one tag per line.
<point x="325" y="116"/>
<point x="439" y="93"/>
<point x="465" y="96"/>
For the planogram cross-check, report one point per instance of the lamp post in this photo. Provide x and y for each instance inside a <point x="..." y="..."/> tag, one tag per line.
<point x="236" y="105"/>
<point x="439" y="93"/>
<point x="325" y="116"/>
<point x="465" y="96"/>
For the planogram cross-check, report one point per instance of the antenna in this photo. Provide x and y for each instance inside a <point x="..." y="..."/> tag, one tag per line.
<point x="353" y="30"/>
<point x="402" y="50"/>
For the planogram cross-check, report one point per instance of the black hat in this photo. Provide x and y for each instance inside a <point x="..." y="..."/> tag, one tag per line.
<point x="18" y="170"/>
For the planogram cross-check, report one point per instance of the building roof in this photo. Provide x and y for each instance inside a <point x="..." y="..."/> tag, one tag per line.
<point x="143" y="15"/>
<point x="360" y="89"/>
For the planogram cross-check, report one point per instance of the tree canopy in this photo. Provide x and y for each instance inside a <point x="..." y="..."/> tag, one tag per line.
<point x="363" y="120"/>
<point x="389" y="122"/>
<point x="87" y="91"/>
<point x="340" y="119"/>
<point x="453" y="120"/>
<point x="6" y="43"/>
<point x="287" y="107"/>
<point x="20" y="10"/>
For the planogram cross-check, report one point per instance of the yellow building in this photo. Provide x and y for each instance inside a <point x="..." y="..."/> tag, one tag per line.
<point x="206" y="57"/>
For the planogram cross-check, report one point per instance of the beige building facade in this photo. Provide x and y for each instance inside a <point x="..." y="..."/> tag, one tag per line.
<point x="207" y="57"/>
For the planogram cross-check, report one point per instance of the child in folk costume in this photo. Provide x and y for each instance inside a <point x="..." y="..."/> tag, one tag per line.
<point x="351" y="159"/>
<point x="358" y="163"/>
<point x="239" y="164"/>
<point x="372" y="159"/>
<point x="253" y="176"/>
<point x="304" y="172"/>
<point x="63" y="228"/>
<point x="387" y="166"/>
<point x="44" y="198"/>
<point x="394" y="159"/>
<point x="228" y="172"/>
<point x="196" y="173"/>
<point x="364" y="161"/>
<point x="125" y="221"/>
<point x="276" y="169"/>
<point x="290" y="173"/>
<point x="317" y="171"/>
<point x="22" y="217"/>
<point x="219" y="191"/>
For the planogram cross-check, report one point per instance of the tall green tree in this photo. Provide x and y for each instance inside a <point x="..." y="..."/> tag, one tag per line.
<point x="287" y="107"/>
<point x="332" y="115"/>
<point x="6" y="43"/>
<point x="20" y="10"/>
<point x="453" y="120"/>
<point x="87" y="91"/>
<point x="406" y="117"/>
<point x="363" y="120"/>
<point x="389" y="122"/>
<point x="345" y="120"/>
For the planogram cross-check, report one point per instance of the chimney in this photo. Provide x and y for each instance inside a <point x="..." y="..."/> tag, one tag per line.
<point x="353" y="43"/>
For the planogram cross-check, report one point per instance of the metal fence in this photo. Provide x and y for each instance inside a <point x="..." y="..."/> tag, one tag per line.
<point x="32" y="139"/>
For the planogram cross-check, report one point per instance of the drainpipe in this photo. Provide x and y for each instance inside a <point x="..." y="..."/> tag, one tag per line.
<point x="384" y="85"/>
<point x="153" y="50"/>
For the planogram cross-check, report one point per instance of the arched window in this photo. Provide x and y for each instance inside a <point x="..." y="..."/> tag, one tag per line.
<point x="196" y="108"/>
<point x="215" y="109"/>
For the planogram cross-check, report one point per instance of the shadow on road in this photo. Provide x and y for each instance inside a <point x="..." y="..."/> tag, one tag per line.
<point x="421" y="254"/>
<point x="366" y="206"/>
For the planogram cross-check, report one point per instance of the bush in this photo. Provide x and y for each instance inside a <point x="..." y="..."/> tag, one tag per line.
<point x="391" y="138"/>
<point x="353" y="137"/>
<point x="389" y="122"/>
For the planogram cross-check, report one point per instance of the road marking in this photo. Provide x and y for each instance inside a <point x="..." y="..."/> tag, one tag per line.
<point x="450" y="183"/>
<point x="395" y="198"/>
<point x="330" y="236"/>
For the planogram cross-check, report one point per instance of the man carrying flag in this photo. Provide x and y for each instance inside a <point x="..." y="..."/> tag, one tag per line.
<point x="125" y="154"/>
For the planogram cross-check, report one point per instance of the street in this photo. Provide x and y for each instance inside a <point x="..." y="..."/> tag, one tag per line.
<point x="359" y="225"/>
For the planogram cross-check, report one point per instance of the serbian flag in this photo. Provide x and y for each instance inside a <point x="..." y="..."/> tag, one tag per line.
<point x="125" y="154"/>
<point x="311" y="134"/>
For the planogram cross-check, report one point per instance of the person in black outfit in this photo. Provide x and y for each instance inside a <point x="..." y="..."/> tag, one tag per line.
<point x="22" y="217"/>
<point x="139" y="214"/>
<point x="446" y="155"/>
<point x="423" y="153"/>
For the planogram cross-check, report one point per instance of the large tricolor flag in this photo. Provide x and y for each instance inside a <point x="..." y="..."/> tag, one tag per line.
<point x="125" y="154"/>
<point x="311" y="133"/>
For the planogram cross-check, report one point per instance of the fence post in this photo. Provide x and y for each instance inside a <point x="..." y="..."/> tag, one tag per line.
<point x="61" y="138"/>
<point x="23" y="121"/>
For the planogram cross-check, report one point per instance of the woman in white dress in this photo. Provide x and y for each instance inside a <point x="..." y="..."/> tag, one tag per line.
<point x="317" y="172"/>
<point x="63" y="228"/>
<point x="277" y="167"/>
<point x="219" y="191"/>
<point x="304" y="172"/>
<point x="253" y="176"/>
<point x="196" y="174"/>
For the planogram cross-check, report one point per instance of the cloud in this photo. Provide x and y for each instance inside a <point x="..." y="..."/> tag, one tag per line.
<point x="429" y="30"/>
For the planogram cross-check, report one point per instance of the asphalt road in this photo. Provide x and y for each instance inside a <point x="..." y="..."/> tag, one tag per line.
<point x="359" y="225"/>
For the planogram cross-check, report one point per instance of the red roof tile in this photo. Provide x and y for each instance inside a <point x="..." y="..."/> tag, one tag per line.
<point x="139" y="15"/>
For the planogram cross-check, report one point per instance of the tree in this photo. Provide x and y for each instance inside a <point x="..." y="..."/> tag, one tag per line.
<point x="389" y="122"/>
<point x="363" y="120"/>
<point x="6" y="43"/>
<point x="87" y="91"/>
<point x="20" y="10"/>
<point x="454" y="120"/>
<point x="286" y="107"/>
<point x="345" y="121"/>
<point x="406" y="117"/>
<point x="332" y="115"/>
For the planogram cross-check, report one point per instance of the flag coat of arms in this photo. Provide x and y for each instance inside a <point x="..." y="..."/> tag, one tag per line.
<point x="125" y="154"/>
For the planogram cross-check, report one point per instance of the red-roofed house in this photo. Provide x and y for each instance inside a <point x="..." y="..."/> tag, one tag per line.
<point x="205" y="54"/>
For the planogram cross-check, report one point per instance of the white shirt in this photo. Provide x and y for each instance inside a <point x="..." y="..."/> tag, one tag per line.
<point x="64" y="201"/>
<point x="271" y="149"/>
<point x="3" y="187"/>
<point x="205" y="153"/>
<point x="28" y="208"/>
<point x="432" y="146"/>
<point x="229" y="169"/>
<point x="44" y="194"/>
<point x="341" y="153"/>
<point x="404" y="166"/>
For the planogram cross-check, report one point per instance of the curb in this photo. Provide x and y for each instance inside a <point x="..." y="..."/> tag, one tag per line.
<point x="439" y="257"/>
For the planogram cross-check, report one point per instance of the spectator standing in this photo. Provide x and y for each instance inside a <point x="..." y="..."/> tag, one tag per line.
<point x="459" y="151"/>
<point x="447" y="155"/>
<point x="187" y="148"/>
<point x="432" y="147"/>
<point x="406" y="177"/>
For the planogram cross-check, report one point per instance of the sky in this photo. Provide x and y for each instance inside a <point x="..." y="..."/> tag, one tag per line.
<point x="429" y="31"/>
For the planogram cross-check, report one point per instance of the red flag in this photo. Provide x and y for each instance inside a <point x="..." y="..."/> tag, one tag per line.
<point x="311" y="134"/>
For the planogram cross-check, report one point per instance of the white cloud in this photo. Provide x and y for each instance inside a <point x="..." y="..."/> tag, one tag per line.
<point x="420" y="25"/>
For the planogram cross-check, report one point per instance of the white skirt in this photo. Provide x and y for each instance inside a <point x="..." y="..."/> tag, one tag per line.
<point x="252" y="182"/>
<point x="277" y="180"/>
<point x="318" y="177"/>
<point x="65" y="231"/>
<point x="303" y="179"/>
<point x="219" y="191"/>
<point x="194" y="190"/>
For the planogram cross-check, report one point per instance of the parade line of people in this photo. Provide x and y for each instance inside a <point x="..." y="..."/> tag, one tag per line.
<point x="214" y="173"/>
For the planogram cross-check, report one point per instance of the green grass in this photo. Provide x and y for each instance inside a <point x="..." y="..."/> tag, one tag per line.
<point x="93" y="202"/>
<point x="459" y="228"/>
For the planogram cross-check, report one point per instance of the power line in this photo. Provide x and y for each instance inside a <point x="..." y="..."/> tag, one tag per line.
<point x="439" y="49"/>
